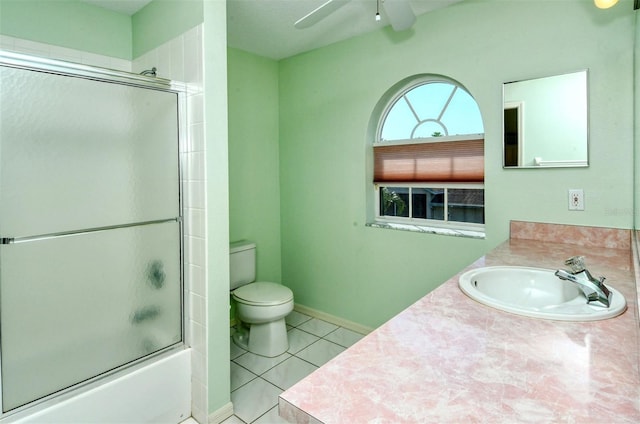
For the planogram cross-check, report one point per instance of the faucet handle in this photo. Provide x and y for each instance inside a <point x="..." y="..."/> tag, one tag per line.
<point x="576" y="263"/>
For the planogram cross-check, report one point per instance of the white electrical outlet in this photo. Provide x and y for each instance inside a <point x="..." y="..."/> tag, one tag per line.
<point x="576" y="199"/>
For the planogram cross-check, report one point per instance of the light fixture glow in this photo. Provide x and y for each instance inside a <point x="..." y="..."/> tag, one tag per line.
<point x="605" y="4"/>
<point x="377" y="16"/>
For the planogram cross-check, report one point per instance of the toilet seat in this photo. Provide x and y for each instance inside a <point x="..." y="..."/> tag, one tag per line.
<point x="263" y="293"/>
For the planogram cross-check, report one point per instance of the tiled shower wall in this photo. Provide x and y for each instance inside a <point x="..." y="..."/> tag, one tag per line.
<point x="179" y="59"/>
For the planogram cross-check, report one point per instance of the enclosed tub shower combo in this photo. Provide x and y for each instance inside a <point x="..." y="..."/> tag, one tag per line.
<point x="91" y="291"/>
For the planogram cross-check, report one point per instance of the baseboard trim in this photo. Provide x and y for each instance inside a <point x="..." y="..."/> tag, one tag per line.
<point x="350" y="325"/>
<point x="216" y="417"/>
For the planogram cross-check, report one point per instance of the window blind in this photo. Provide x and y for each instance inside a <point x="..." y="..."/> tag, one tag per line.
<point x="447" y="161"/>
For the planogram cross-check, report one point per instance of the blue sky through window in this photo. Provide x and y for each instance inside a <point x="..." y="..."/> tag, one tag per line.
<point x="428" y="109"/>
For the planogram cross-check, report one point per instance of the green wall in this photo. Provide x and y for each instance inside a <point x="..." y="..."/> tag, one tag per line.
<point x="254" y="200"/>
<point x="68" y="23"/>
<point x="163" y="20"/>
<point x="330" y="259"/>
<point x="83" y="26"/>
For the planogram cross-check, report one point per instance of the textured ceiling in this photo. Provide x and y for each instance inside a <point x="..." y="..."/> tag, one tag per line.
<point x="265" y="27"/>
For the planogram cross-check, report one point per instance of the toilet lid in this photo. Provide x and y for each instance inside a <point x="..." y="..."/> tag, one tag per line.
<point x="263" y="293"/>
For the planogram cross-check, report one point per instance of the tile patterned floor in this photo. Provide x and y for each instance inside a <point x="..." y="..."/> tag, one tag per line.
<point x="256" y="381"/>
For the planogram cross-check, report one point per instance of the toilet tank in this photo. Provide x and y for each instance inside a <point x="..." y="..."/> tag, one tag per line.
<point x="242" y="263"/>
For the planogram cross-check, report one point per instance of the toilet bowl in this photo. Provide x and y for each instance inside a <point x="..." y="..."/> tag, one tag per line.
<point x="263" y="306"/>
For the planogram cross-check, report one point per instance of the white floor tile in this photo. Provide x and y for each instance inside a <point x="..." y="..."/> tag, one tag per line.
<point x="271" y="417"/>
<point x="289" y="372"/>
<point x="318" y="327"/>
<point x="343" y="337"/>
<point x="295" y="318"/>
<point x="259" y="364"/>
<point x="235" y="350"/>
<point x="192" y="421"/>
<point x="233" y="420"/>
<point x="298" y="340"/>
<point x="256" y="381"/>
<point x="254" y="399"/>
<point x="240" y="376"/>
<point x="320" y="352"/>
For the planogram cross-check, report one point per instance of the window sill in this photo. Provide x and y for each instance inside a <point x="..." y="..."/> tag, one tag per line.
<point x="428" y="230"/>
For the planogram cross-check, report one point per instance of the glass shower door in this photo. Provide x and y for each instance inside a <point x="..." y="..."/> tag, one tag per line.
<point x="77" y="306"/>
<point x="90" y="228"/>
<point x="77" y="153"/>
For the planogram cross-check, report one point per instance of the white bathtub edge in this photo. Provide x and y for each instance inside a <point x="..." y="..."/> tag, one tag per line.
<point x="156" y="393"/>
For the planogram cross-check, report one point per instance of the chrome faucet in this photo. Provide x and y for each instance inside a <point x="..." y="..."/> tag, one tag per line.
<point x="593" y="288"/>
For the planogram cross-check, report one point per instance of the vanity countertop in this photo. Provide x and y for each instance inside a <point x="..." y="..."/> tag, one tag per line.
<point x="450" y="359"/>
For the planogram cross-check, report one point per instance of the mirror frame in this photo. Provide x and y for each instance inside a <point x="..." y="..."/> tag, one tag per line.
<point x="519" y="107"/>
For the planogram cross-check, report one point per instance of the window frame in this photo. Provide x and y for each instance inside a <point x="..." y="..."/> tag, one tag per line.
<point x="444" y="226"/>
<point x="422" y="222"/>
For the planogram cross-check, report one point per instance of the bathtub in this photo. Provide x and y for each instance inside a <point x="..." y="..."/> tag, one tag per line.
<point x="156" y="391"/>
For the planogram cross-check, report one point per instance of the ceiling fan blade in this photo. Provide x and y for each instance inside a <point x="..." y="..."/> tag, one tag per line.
<point x="319" y="13"/>
<point x="400" y="14"/>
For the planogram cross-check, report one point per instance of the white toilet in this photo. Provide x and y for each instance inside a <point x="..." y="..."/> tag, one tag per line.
<point x="261" y="305"/>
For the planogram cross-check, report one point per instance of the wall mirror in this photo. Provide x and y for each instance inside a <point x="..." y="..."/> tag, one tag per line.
<point x="545" y="122"/>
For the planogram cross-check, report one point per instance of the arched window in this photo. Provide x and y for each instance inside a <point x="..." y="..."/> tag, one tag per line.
<point x="428" y="154"/>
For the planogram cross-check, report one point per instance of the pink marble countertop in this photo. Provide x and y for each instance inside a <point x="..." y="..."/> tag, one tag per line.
<point x="449" y="359"/>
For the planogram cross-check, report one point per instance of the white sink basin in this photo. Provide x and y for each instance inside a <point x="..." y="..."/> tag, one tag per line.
<point x="535" y="292"/>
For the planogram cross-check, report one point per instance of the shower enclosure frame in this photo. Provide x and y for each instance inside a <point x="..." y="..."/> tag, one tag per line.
<point x="69" y="69"/>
